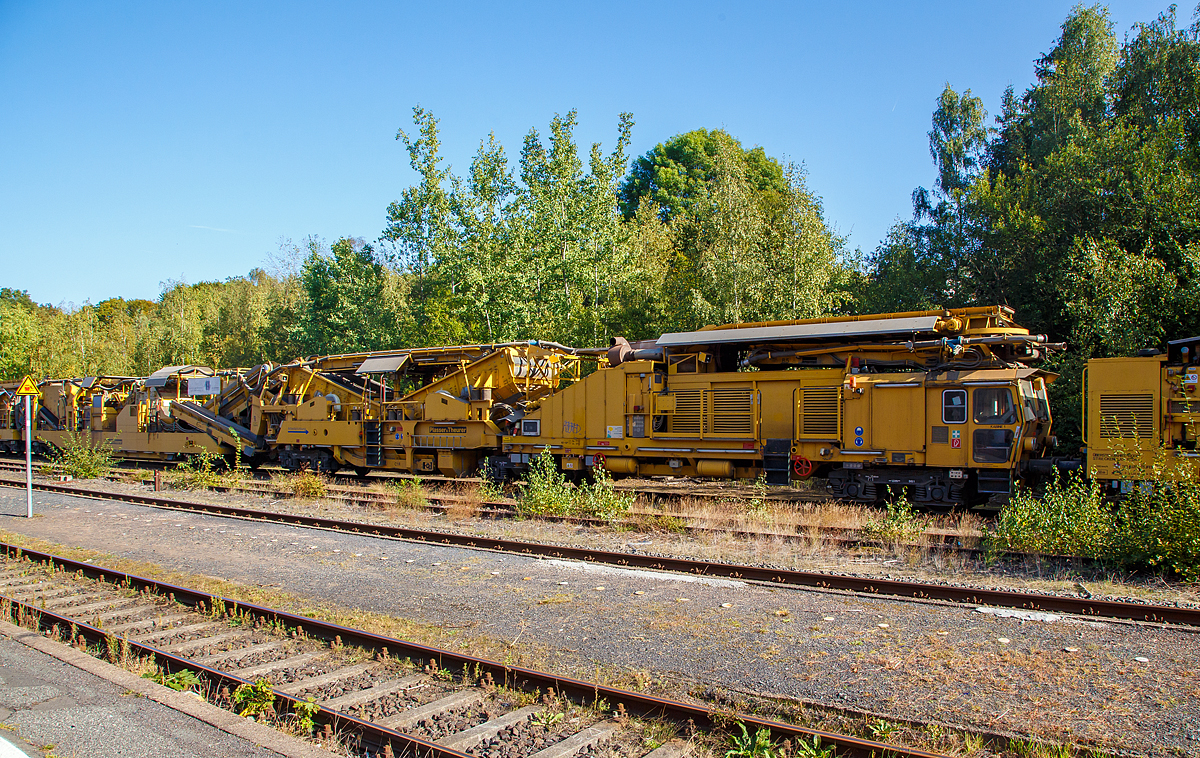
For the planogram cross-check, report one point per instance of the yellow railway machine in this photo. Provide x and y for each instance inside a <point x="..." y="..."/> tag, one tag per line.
<point x="1141" y="416"/>
<point x="939" y="403"/>
<point x="425" y="410"/>
<point x="132" y="416"/>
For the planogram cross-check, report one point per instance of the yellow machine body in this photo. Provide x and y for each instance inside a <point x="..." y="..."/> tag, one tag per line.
<point x="840" y="398"/>
<point x="360" y="410"/>
<point x="1141" y="417"/>
<point x="131" y="416"/>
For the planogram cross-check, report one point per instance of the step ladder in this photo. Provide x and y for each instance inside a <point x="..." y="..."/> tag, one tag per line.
<point x="373" y="441"/>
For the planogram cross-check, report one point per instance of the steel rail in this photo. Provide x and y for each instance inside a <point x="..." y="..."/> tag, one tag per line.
<point x="967" y="595"/>
<point x="369" y="735"/>
<point x="789" y="577"/>
<point x="587" y="692"/>
<point x="843" y="536"/>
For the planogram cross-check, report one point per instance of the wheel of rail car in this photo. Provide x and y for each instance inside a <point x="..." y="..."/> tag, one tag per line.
<point x="802" y="466"/>
<point x="598" y="460"/>
<point x="361" y="470"/>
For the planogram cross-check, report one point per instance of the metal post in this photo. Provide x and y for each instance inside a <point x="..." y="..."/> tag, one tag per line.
<point x="28" y="459"/>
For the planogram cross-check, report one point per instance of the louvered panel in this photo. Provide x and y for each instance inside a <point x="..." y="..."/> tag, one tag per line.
<point x="732" y="412"/>
<point x="689" y="412"/>
<point x="1127" y="416"/>
<point x="819" y="411"/>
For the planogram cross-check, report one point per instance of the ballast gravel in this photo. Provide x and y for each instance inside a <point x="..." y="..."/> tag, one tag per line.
<point x="1062" y="679"/>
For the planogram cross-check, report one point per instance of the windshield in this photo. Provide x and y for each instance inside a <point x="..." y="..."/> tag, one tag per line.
<point x="994" y="406"/>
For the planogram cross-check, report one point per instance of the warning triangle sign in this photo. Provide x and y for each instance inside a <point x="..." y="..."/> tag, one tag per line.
<point x="27" y="387"/>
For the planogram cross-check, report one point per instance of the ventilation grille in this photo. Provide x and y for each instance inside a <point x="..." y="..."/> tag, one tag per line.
<point x="939" y="434"/>
<point x="1185" y="406"/>
<point x="689" y="412"/>
<point x="732" y="412"/>
<point x="716" y="413"/>
<point x="819" y="414"/>
<point x="1126" y="416"/>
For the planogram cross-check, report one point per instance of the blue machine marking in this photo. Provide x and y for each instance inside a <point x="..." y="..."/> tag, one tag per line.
<point x="858" y="441"/>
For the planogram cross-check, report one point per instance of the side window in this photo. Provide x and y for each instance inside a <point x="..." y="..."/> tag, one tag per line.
<point x="954" y="406"/>
<point x="993" y="405"/>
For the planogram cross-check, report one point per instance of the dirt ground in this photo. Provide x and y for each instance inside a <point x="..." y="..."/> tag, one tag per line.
<point x="1114" y="685"/>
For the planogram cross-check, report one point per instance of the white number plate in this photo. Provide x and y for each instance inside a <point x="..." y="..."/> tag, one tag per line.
<point x="956" y="473"/>
<point x="852" y="464"/>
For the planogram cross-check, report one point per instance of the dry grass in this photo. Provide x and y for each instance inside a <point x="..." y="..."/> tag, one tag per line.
<point x="464" y="500"/>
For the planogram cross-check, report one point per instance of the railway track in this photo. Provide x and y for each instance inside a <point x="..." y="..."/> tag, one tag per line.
<point x="367" y="694"/>
<point x="846" y="537"/>
<point x="706" y="491"/>
<point x="1113" y="609"/>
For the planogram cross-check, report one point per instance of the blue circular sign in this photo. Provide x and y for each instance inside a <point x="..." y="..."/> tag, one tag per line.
<point x="858" y="441"/>
<point x="858" y="431"/>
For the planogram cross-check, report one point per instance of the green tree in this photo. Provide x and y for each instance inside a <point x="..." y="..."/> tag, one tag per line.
<point x="347" y="301"/>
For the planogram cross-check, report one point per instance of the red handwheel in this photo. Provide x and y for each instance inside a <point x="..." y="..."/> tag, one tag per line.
<point x="802" y="466"/>
<point x="598" y="460"/>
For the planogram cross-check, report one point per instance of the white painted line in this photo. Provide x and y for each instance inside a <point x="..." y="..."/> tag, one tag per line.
<point x="641" y="574"/>
<point x="1017" y="613"/>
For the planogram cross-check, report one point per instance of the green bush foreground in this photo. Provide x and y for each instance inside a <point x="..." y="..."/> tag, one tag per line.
<point x="1154" y="527"/>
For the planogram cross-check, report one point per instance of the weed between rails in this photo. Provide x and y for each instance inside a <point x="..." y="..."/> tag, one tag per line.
<point x="306" y="485"/>
<point x="202" y="470"/>
<point x="547" y="493"/>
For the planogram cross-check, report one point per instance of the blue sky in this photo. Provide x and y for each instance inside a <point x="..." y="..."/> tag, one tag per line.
<point x="145" y="142"/>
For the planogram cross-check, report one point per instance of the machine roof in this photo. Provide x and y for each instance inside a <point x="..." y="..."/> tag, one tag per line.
<point x="802" y="332"/>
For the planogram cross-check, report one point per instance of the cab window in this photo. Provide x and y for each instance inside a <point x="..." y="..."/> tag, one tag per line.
<point x="1029" y="401"/>
<point x="954" y="406"/>
<point x="993" y="405"/>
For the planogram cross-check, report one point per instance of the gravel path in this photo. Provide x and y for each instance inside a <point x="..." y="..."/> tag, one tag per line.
<point x="1058" y="678"/>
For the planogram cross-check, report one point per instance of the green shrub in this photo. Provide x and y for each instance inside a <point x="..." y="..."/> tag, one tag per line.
<point x="254" y="699"/>
<point x="198" y="471"/>
<point x="1159" y="527"/>
<point x="547" y="493"/>
<point x="409" y="493"/>
<point x="1156" y="526"/>
<point x="307" y="485"/>
<point x="1069" y="518"/>
<point x="78" y="457"/>
<point x="901" y="522"/>
<point x="599" y="499"/>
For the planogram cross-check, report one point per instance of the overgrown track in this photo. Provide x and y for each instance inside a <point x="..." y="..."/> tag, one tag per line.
<point x="367" y="703"/>
<point x="967" y="595"/>
<point x="846" y="537"/>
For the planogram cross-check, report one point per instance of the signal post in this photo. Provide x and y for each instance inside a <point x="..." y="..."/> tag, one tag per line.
<point x="28" y="390"/>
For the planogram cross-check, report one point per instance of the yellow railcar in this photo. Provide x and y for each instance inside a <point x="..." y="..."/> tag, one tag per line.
<point x="424" y="410"/>
<point x="132" y="416"/>
<point x="1141" y="416"/>
<point x="938" y="403"/>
